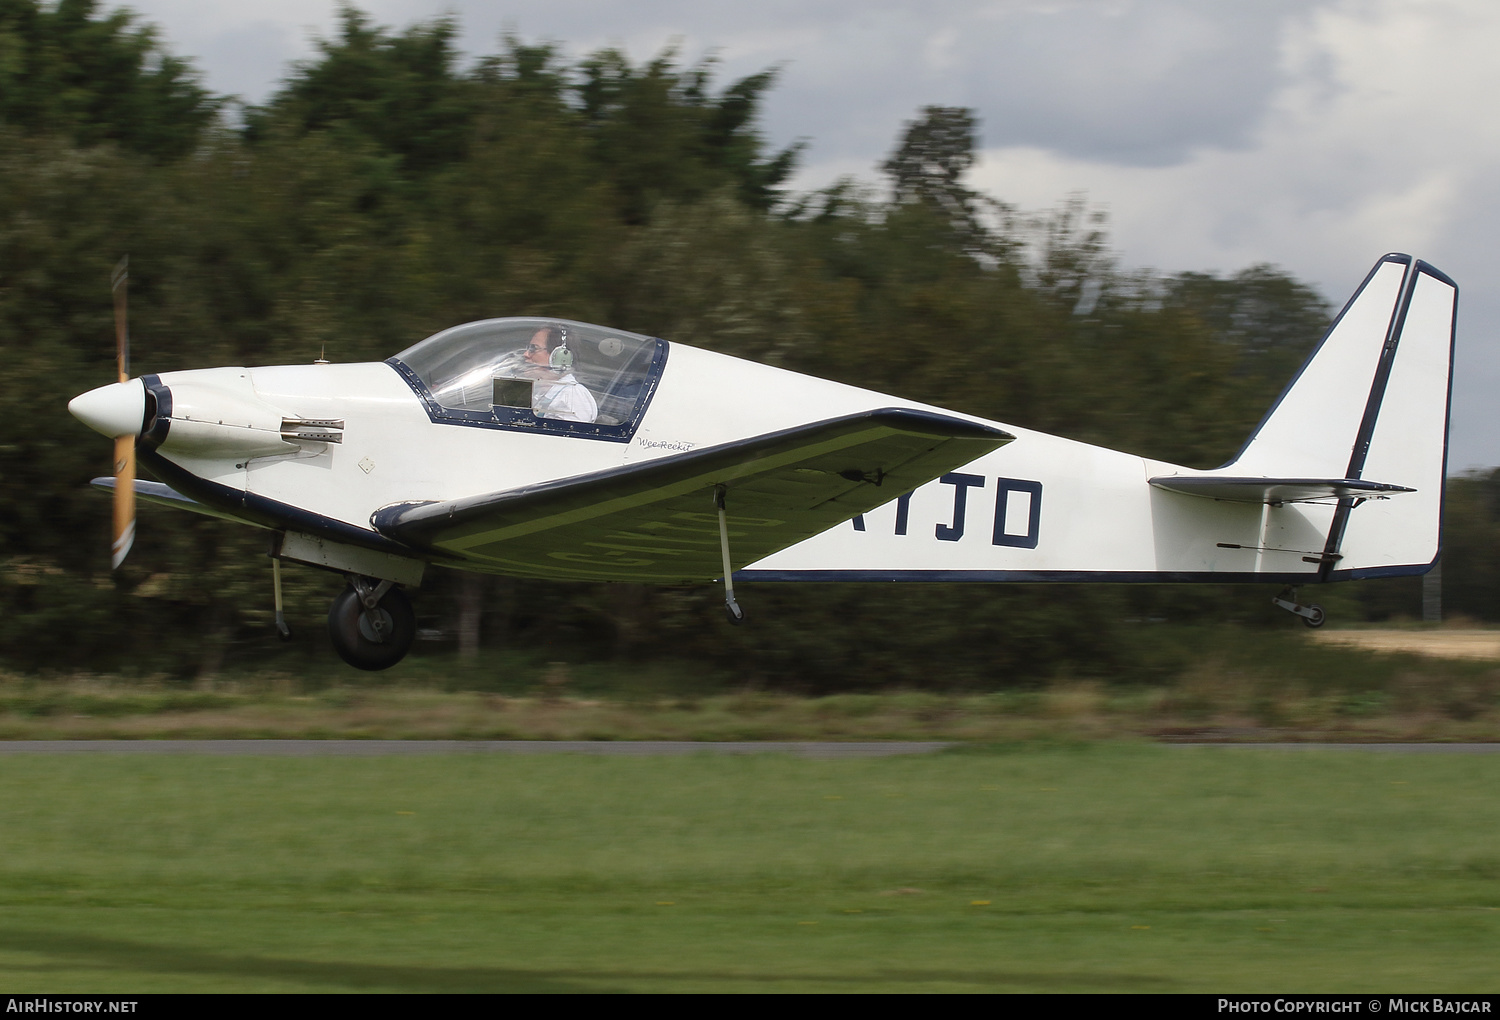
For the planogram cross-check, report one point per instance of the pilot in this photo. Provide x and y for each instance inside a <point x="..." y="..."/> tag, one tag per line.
<point x="558" y="393"/>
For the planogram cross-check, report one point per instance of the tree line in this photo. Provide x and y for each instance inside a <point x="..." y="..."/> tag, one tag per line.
<point x="387" y="190"/>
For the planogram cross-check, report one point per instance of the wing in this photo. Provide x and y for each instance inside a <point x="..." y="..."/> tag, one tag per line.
<point x="161" y="495"/>
<point x="657" y="521"/>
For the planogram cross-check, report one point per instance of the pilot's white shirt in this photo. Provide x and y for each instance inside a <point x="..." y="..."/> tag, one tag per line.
<point x="566" y="399"/>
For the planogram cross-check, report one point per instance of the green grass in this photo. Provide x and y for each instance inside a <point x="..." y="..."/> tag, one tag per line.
<point x="1100" y="867"/>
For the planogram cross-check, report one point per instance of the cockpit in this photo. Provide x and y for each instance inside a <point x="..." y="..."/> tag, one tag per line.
<point x="536" y="374"/>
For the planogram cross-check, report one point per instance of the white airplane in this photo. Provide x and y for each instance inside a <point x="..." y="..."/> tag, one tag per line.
<point x="552" y="449"/>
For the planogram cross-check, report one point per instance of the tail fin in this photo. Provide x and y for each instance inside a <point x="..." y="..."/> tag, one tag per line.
<point x="1343" y="479"/>
<point x="1371" y="403"/>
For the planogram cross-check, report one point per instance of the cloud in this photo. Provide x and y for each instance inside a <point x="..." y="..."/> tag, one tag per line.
<point x="1129" y="80"/>
<point x="1136" y="84"/>
<point x="1378" y="139"/>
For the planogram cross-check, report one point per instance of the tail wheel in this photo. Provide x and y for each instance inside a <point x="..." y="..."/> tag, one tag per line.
<point x="1317" y="619"/>
<point x="367" y="643"/>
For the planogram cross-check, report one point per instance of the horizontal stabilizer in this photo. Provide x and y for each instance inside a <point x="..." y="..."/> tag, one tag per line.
<point x="1275" y="491"/>
<point x="161" y="495"/>
<point x="656" y="521"/>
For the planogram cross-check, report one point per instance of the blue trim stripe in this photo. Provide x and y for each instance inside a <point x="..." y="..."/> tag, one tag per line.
<point x="1081" y="576"/>
<point x="1441" y="277"/>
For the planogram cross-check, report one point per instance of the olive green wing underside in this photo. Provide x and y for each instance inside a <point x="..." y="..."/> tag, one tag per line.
<point x="657" y="521"/>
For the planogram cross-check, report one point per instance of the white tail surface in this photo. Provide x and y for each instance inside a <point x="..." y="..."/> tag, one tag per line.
<point x="1310" y="431"/>
<point x="1371" y="403"/>
<point x="1342" y="479"/>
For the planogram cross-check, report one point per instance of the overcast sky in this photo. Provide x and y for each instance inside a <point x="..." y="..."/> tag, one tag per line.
<point x="1315" y="135"/>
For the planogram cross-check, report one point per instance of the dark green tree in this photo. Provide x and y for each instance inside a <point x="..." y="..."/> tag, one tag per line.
<point x="1271" y="318"/>
<point x="928" y="167"/>
<point x="1471" y="547"/>
<point x="935" y="153"/>
<point x="68" y="69"/>
<point x="660" y="133"/>
<point x="402" y="92"/>
<point x="657" y="132"/>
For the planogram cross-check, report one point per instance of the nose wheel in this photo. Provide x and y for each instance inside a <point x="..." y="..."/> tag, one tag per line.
<point x="372" y="624"/>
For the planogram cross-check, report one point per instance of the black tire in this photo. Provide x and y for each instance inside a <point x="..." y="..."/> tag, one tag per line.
<point x="1317" y="619"/>
<point x="356" y="642"/>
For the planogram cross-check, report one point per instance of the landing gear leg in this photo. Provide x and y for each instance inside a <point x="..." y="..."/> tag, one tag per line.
<point x="1312" y="616"/>
<point x="371" y="624"/>
<point x="731" y="607"/>
<point x="282" y="630"/>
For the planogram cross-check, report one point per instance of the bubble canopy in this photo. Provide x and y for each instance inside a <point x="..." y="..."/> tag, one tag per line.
<point x="579" y="379"/>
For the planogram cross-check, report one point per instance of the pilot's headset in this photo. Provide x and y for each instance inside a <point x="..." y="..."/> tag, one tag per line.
<point x="561" y="357"/>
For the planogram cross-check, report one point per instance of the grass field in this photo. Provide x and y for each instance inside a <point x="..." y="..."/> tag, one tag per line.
<point x="1099" y="867"/>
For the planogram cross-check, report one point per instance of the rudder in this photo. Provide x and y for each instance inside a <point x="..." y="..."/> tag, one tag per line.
<point x="1371" y="403"/>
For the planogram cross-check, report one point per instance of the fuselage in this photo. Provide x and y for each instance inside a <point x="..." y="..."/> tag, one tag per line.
<point x="233" y="439"/>
<point x="317" y="450"/>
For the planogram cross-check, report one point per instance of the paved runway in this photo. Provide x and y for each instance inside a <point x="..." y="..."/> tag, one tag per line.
<point x="638" y="748"/>
<point x="367" y="748"/>
<point x="1379" y="748"/>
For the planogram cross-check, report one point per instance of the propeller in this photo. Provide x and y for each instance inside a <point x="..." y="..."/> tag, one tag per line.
<point x="124" y="515"/>
<point x="117" y="410"/>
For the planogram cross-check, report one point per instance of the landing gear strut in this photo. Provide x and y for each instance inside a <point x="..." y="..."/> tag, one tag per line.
<point x="282" y="630"/>
<point x="1312" y="616"/>
<point x="732" y="608"/>
<point x="372" y="624"/>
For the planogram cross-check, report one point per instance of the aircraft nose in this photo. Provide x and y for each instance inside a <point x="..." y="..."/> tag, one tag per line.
<point x="118" y="409"/>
